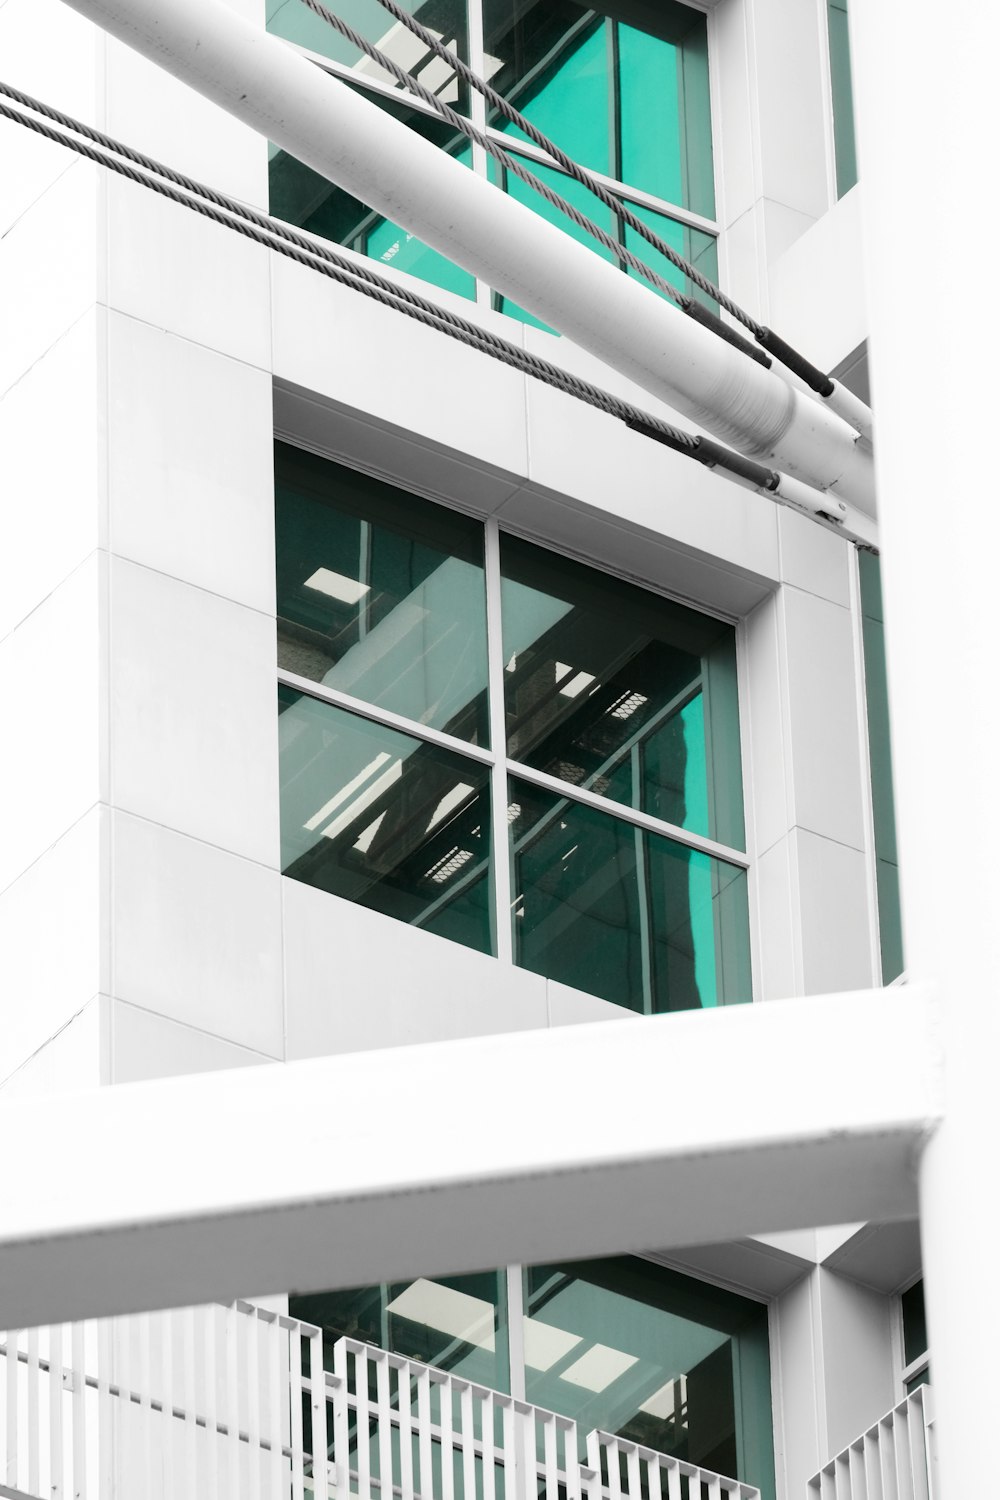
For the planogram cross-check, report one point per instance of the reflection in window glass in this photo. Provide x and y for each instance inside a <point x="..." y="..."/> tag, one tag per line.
<point x="446" y="18"/>
<point x="379" y="595"/>
<point x="458" y="1323"/>
<point x="843" y="97"/>
<point x="385" y="820"/>
<point x="629" y="1347"/>
<point x="617" y="690"/>
<point x="702" y="250"/>
<point x="300" y="196"/>
<point x="630" y="916"/>
<point x="666" y="123"/>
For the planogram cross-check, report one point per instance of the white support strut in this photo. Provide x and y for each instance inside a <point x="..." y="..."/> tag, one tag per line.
<point x="350" y="141"/>
<point x="579" y="1141"/>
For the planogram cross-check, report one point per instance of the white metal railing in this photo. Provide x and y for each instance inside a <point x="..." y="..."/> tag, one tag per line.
<point x="895" y="1459"/>
<point x="234" y="1404"/>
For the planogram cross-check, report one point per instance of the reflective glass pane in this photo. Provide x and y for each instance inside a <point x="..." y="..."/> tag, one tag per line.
<point x="700" y="249"/>
<point x="446" y="18"/>
<point x="384" y="819"/>
<point x="666" y="122"/>
<point x="458" y="1323"/>
<point x="554" y="62"/>
<point x="620" y="691"/>
<point x="914" y="1323"/>
<point x="300" y="196"/>
<point x="677" y="1365"/>
<point x="380" y="594"/>
<point x="843" y="97"/>
<point x="880" y="760"/>
<point x="578" y="196"/>
<point x="630" y="916"/>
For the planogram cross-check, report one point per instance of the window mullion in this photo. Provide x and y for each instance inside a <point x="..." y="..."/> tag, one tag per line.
<point x="477" y="113"/>
<point x="502" y="897"/>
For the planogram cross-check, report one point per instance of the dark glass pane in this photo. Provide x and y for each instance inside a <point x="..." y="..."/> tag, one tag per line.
<point x="880" y="758"/>
<point x="632" y="1348"/>
<point x="458" y="1323"/>
<point x="383" y="819"/>
<point x="666" y="122"/>
<point x="578" y="196"/>
<point x="632" y="917"/>
<point x="446" y="18"/>
<point x="302" y="197"/>
<point x="914" y="1323"/>
<point x="617" y="690"/>
<point x="923" y="1377"/>
<point x="700" y="249"/>
<point x="554" y="61"/>
<point x="380" y="594"/>
<point x="843" y="97"/>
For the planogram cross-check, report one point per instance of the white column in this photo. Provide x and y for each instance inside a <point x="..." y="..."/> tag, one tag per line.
<point x="927" y="118"/>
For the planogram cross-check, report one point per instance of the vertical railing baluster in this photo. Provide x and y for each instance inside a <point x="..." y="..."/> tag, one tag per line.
<point x="12" y="1340"/>
<point x="634" y="1474"/>
<point x="404" y="1397"/>
<point x="190" y="1404"/>
<point x="551" y="1450"/>
<point x="320" y="1441"/>
<point x="210" y="1325"/>
<point x="363" y="1424"/>
<point x="78" y="1361"/>
<point x="446" y="1426"/>
<point x="168" y="1384"/>
<point x="653" y="1478"/>
<point x="253" y="1401"/>
<point x="341" y="1420"/>
<point x="489" y="1447"/>
<point x="673" y="1479"/>
<point x="295" y="1436"/>
<point x="467" y="1428"/>
<point x="34" y="1393"/>
<point x="383" y="1418"/>
<point x="274" y="1422"/>
<point x="614" y="1469"/>
<point x="512" y="1479"/>
<point x="425" y="1444"/>
<point x="232" y="1403"/>
<point x="56" y="1466"/>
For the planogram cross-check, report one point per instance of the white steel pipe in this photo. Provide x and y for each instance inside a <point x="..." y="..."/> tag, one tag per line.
<point x="350" y="141"/>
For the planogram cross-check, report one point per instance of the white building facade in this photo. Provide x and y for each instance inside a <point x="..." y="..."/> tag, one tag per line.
<point x="226" y="478"/>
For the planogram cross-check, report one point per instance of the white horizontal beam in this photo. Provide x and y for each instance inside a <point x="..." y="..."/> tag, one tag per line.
<point x="580" y="1141"/>
<point x="360" y="147"/>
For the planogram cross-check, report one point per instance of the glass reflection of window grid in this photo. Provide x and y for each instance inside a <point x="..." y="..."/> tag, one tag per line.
<point x="630" y="101"/>
<point x="611" y="860"/>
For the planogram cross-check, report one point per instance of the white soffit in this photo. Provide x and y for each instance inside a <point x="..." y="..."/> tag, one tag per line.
<point x="581" y="1141"/>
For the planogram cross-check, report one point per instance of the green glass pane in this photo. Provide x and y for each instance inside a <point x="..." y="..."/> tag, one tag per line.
<point x="457" y="1323"/>
<point x="630" y="916"/>
<point x="666" y="123"/>
<point x="292" y="20"/>
<point x="553" y="61"/>
<point x="385" y="820"/>
<point x="620" y="691"/>
<point x="300" y="196"/>
<point x="572" y="191"/>
<point x="914" y="1323"/>
<point x="843" y="97"/>
<point x="379" y="594"/>
<point x="700" y="249"/>
<point x="880" y="758"/>
<point x="923" y="1377"/>
<point x="676" y="1365"/>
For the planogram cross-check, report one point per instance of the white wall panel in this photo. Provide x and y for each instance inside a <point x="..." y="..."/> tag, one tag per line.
<point x="197" y="934"/>
<point x="52" y="688"/>
<point x="356" y="980"/>
<point x="190" y="483"/>
<point x="75" y="1058"/>
<point x="53" y="939"/>
<point x="51" y="257"/>
<point x="193" y="712"/>
<point x="147" y="1045"/>
<point x="834" y="915"/>
<point x="813" y="558"/>
<point x="780" y="966"/>
<point x="184" y="273"/>
<point x="348" y="348"/>
<point x="817" y="286"/>
<point x="49" y="439"/>
<point x="569" y="1007"/>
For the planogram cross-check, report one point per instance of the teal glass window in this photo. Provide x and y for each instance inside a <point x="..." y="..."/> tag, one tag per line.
<point x="635" y="918"/>
<point x="630" y="1347"/>
<point x="456" y="1323"/>
<point x="624" y="90"/>
<point x="446" y="18"/>
<point x="617" y="785"/>
<point x="843" y="96"/>
<point x="880" y="760"/>
<point x="379" y="597"/>
<point x="621" y="692"/>
<point x="384" y="819"/>
<point x="917" y="1370"/>
<point x="697" y="247"/>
